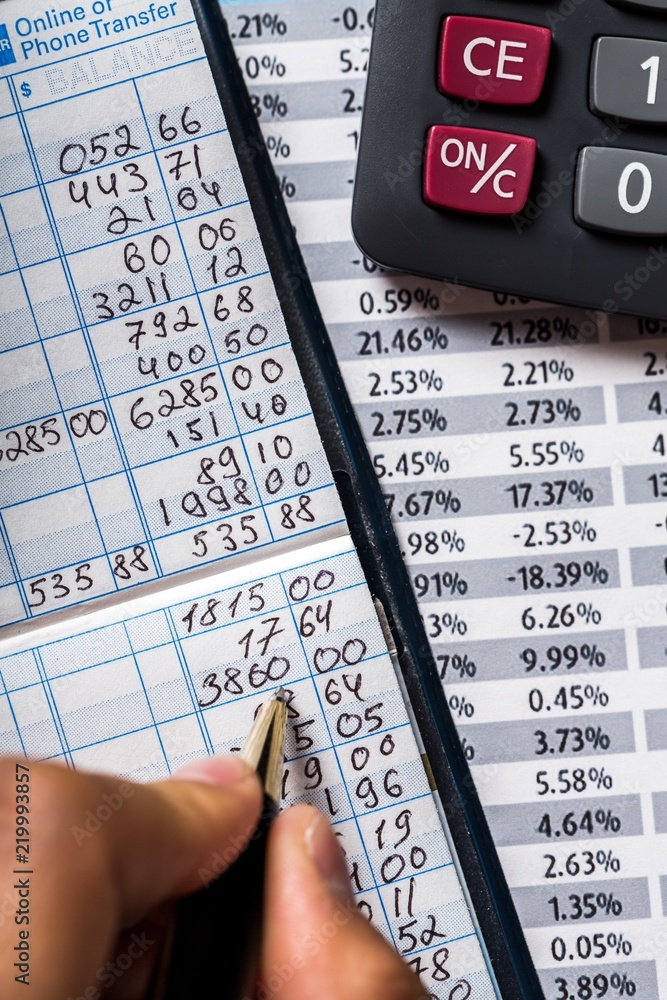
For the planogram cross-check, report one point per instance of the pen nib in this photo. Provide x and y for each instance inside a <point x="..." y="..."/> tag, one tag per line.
<point x="264" y="747"/>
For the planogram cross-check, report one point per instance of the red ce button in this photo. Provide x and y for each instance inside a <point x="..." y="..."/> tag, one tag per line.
<point x="501" y="62"/>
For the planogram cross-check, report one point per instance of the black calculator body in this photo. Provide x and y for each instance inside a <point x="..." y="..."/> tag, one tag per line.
<point x="482" y="165"/>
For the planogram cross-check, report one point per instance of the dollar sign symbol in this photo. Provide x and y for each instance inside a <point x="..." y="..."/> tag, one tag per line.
<point x="26" y="90"/>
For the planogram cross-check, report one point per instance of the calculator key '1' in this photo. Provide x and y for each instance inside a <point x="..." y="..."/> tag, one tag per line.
<point x="629" y="79"/>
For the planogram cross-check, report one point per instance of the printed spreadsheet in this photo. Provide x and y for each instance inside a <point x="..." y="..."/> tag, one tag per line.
<point x="521" y="447"/>
<point x="156" y="430"/>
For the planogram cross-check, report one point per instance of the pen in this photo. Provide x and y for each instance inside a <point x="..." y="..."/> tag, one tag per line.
<point x="213" y="945"/>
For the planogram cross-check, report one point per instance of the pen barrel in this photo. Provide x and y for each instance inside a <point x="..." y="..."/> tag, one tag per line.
<point x="215" y="950"/>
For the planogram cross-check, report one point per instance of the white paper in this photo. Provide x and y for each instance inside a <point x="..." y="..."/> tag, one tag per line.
<point x="521" y="446"/>
<point x="156" y="424"/>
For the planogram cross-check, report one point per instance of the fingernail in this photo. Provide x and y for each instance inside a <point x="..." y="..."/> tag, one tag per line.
<point x="328" y="858"/>
<point x="220" y="771"/>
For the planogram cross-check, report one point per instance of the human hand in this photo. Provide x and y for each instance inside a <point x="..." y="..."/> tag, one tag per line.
<point x="108" y="858"/>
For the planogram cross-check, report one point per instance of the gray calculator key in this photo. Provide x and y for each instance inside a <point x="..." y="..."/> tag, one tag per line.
<point x="629" y="79"/>
<point x="621" y="191"/>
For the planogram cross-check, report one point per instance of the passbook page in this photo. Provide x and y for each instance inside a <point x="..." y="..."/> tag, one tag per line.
<point x="155" y="423"/>
<point x="521" y="447"/>
<point x="145" y="689"/>
<point x="154" y="419"/>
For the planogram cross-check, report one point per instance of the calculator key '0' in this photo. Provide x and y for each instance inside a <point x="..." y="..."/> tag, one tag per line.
<point x="622" y="191"/>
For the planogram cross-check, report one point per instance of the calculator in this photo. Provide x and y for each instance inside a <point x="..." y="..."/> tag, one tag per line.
<point x="520" y="147"/>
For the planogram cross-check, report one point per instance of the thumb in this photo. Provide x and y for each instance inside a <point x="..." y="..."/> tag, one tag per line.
<point x="317" y="946"/>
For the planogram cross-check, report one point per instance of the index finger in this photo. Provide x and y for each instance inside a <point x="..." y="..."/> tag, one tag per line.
<point x="105" y="852"/>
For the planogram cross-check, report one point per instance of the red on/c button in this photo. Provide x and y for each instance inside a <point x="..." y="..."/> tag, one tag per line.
<point x="500" y="62"/>
<point x="475" y="170"/>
